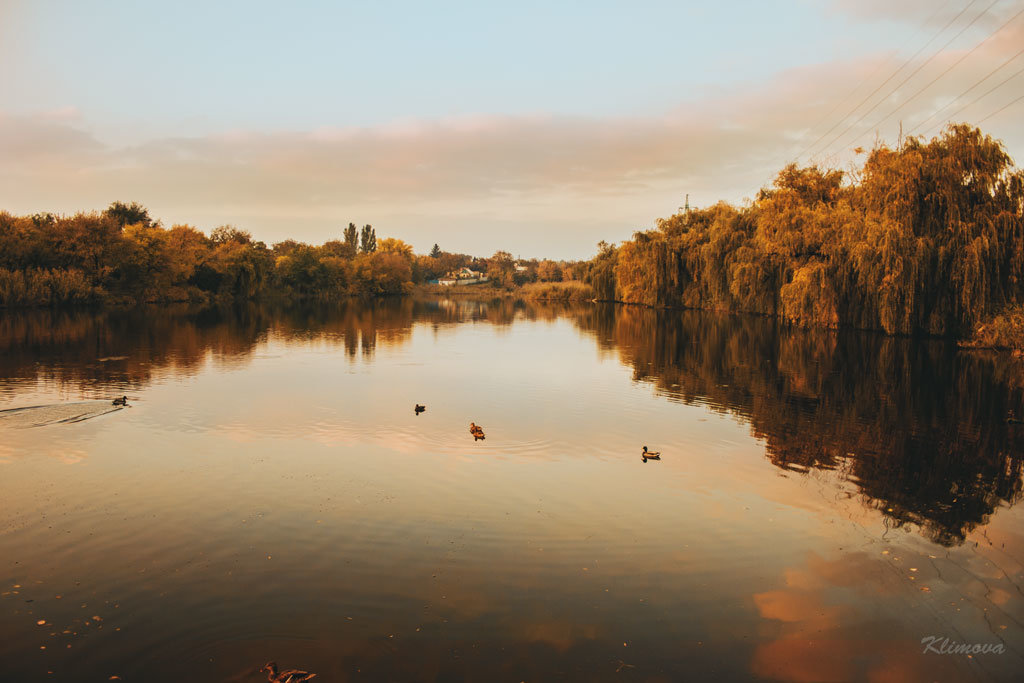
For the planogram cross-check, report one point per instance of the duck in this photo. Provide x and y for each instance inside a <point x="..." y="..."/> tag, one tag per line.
<point x="286" y="676"/>
<point x="419" y="409"/>
<point x="476" y="430"/>
<point x="650" y="455"/>
<point x="123" y="401"/>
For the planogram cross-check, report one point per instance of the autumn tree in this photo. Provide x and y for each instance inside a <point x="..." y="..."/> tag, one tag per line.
<point x="351" y="240"/>
<point x="368" y="240"/>
<point x="128" y="214"/>
<point x="549" y="271"/>
<point x="229" y="233"/>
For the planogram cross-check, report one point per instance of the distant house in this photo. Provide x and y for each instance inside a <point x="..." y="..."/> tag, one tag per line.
<point x="521" y="268"/>
<point x="463" y="276"/>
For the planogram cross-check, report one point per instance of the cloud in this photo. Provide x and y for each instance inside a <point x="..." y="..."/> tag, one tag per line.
<point x="934" y="14"/>
<point x="533" y="184"/>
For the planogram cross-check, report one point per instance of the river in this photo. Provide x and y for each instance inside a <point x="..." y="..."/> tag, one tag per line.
<point x="823" y="504"/>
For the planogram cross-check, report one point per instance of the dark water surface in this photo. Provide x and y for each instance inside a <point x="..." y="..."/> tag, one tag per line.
<point x="824" y="500"/>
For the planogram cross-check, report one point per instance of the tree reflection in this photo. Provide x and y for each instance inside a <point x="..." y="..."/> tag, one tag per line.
<point x="918" y="425"/>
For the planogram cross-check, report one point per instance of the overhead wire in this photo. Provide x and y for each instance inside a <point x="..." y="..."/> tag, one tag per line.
<point x="985" y="94"/>
<point x="921" y="125"/>
<point x="904" y="81"/>
<point x="883" y="83"/>
<point x="948" y="69"/>
<point x="998" y="111"/>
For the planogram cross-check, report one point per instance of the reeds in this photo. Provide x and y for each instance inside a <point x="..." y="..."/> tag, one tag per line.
<point x="47" y="287"/>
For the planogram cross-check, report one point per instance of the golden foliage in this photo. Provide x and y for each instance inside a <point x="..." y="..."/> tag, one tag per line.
<point x="930" y="240"/>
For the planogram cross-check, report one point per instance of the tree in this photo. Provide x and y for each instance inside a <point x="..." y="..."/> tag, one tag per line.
<point x="382" y="273"/>
<point x="500" y="268"/>
<point x="601" y="271"/>
<point x="396" y="246"/>
<point x="128" y="214"/>
<point x="435" y="252"/>
<point x="351" y="240"/>
<point x="368" y="240"/>
<point x="229" y="233"/>
<point x="549" y="271"/>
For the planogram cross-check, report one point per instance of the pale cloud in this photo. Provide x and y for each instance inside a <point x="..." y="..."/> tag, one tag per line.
<point x="533" y="184"/>
<point x="928" y="13"/>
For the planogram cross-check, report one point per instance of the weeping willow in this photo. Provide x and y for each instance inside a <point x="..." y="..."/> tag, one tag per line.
<point x="925" y="239"/>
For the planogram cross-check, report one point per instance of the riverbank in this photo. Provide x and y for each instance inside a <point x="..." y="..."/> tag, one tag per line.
<point x="1002" y="332"/>
<point x="572" y="290"/>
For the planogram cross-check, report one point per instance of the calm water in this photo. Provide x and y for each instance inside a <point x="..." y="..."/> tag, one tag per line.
<point x="823" y="502"/>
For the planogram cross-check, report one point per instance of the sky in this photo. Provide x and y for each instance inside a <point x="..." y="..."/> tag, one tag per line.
<point x="538" y="128"/>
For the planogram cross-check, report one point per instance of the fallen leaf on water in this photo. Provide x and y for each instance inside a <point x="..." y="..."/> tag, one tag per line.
<point x="40" y="622"/>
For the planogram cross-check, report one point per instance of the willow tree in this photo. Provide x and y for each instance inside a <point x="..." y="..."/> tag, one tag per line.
<point x="950" y="213"/>
<point x="929" y="238"/>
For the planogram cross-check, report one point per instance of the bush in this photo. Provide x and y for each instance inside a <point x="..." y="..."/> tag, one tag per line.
<point x="558" y="291"/>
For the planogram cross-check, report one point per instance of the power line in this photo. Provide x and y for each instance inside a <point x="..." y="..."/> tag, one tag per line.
<point x="1011" y="102"/>
<point x="891" y="76"/>
<point x="989" y="75"/>
<point x="948" y="69"/>
<point x="984" y="94"/>
<point x="849" y="95"/>
<point x="912" y="74"/>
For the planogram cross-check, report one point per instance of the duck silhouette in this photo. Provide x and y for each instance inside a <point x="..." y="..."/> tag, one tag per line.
<point x="123" y="401"/>
<point x="650" y="455"/>
<point x="419" y="409"/>
<point x="286" y="676"/>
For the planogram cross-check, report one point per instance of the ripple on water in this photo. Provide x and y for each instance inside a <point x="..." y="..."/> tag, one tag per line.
<point x="39" y="416"/>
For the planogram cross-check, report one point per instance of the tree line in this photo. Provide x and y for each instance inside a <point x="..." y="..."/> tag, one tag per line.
<point x="927" y="239"/>
<point x="123" y="256"/>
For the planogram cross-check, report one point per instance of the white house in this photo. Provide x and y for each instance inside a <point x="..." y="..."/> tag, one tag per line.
<point x="463" y="276"/>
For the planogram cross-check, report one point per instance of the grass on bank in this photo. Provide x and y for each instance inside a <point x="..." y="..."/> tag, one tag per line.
<point x="1004" y="331"/>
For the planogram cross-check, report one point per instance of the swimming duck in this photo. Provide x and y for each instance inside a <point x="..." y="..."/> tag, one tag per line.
<point x="123" y="401"/>
<point x="419" y="409"/>
<point x="650" y="455"/>
<point x="476" y="430"/>
<point x="287" y="676"/>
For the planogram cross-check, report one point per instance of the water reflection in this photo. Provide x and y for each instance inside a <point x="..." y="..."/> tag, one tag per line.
<point x="919" y="426"/>
<point x="272" y="494"/>
<point x="125" y="347"/>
